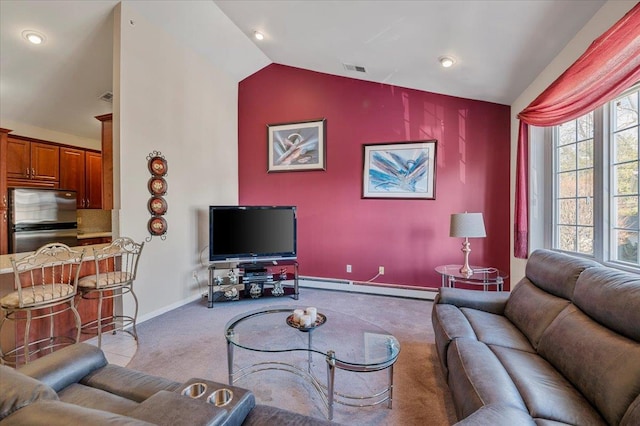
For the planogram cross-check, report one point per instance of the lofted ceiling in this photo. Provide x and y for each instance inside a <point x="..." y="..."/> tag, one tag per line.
<point x="499" y="46"/>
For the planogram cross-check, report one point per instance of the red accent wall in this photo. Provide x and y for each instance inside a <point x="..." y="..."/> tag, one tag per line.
<point x="336" y="226"/>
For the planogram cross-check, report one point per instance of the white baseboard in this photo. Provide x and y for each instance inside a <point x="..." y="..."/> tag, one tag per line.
<point x="369" y="288"/>
<point x="167" y="308"/>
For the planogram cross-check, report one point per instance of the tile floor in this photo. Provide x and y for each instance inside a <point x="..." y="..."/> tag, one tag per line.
<point x="119" y="348"/>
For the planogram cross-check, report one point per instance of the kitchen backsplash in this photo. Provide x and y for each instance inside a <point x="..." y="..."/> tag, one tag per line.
<point x="90" y="220"/>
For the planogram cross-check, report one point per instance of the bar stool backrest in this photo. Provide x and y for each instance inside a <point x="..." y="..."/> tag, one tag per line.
<point x="117" y="264"/>
<point x="48" y="276"/>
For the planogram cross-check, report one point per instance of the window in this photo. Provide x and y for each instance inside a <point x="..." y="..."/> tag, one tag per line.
<point x="594" y="190"/>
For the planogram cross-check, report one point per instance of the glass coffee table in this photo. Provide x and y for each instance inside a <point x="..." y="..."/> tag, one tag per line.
<point x="345" y="342"/>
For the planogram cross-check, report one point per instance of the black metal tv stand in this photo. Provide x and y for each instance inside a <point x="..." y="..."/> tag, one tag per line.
<point x="277" y="278"/>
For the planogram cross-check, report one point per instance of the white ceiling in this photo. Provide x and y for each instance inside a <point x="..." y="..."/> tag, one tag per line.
<point x="499" y="46"/>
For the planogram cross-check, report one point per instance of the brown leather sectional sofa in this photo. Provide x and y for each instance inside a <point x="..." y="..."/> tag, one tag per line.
<point x="562" y="348"/>
<point x="76" y="386"/>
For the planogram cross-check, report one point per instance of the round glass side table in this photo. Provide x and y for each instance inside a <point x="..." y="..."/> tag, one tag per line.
<point x="482" y="276"/>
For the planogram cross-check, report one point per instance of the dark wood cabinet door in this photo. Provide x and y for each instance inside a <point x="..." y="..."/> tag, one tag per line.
<point x="18" y="159"/>
<point x="93" y="184"/>
<point x="107" y="160"/>
<point x="4" y="196"/>
<point x="45" y="162"/>
<point x="72" y="172"/>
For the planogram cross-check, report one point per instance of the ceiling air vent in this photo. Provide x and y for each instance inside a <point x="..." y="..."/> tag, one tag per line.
<point x="107" y="97"/>
<point x="356" y="68"/>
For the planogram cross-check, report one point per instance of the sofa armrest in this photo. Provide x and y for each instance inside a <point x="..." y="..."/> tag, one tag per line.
<point x="18" y="391"/>
<point x="58" y="413"/>
<point x="171" y="408"/>
<point x="497" y="415"/>
<point x="488" y="301"/>
<point x="66" y="366"/>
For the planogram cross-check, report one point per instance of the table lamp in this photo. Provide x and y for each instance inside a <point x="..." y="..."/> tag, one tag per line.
<point x="467" y="225"/>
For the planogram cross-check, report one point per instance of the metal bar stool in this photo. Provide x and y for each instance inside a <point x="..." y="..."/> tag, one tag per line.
<point x="45" y="282"/>
<point x="115" y="271"/>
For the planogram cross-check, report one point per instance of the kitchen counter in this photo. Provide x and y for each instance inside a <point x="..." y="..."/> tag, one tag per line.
<point x="87" y="235"/>
<point x="5" y="259"/>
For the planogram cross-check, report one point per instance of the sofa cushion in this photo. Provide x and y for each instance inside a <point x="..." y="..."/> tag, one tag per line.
<point x="477" y="378"/>
<point x="532" y="309"/>
<point x="547" y="394"/>
<point x="495" y="329"/>
<point x="18" y="391"/>
<point x="602" y="365"/>
<point x="171" y="408"/>
<point x="66" y="366"/>
<point x="612" y="298"/>
<point x="127" y="383"/>
<point x="98" y="399"/>
<point x="58" y="413"/>
<point x="556" y="273"/>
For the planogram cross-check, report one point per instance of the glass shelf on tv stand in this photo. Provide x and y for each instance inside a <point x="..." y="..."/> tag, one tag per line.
<point x="274" y="278"/>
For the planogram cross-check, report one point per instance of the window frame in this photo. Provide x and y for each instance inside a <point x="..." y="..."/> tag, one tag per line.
<point x="543" y="184"/>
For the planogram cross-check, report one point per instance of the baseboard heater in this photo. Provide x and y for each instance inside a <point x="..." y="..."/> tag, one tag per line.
<point x="387" y="289"/>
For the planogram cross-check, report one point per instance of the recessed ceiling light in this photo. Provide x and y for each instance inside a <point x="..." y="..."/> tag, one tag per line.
<point x="258" y="35"/>
<point x="446" y="61"/>
<point x="33" y="36"/>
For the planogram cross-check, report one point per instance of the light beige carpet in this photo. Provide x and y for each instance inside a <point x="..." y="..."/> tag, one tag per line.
<point x="189" y="342"/>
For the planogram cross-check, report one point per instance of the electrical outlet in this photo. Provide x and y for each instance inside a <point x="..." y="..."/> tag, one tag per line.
<point x="349" y="268"/>
<point x="381" y="270"/>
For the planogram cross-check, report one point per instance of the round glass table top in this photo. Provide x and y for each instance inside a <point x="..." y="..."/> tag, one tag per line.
<point x="356" y="342"/>
<point x="480" y="273"/>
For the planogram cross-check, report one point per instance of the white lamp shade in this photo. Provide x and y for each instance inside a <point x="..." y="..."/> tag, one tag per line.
<point x="467" y="225"/>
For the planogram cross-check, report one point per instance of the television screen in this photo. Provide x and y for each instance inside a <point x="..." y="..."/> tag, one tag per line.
<point x="252" y="233"/>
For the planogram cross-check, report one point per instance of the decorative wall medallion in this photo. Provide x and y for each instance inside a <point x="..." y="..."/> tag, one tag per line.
<point x="157" y="206"/>
<point x="157" y="186"/>
<point x="158" y="166"/>
<point x="157" y="226"/>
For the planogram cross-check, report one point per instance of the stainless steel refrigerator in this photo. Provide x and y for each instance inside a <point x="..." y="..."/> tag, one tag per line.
<point x="41" y="216"/>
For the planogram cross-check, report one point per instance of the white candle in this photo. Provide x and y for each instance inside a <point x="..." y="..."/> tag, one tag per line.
<point x="297" y="313"/>
<point x="305" y="321"/>
<point x="312" y="312"/>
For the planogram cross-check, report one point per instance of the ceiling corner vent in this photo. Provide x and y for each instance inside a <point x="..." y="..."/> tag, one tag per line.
<point x="357" y="68"/>
<point x="107" y="97"/>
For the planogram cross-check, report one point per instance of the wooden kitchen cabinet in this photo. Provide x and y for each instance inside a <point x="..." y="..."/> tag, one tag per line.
<point x="4" y="196"/>
<point x="107" y="160"/>
<point x="29" y="161"/>
<point x="81" y="171"/>
<point x="93" y="182"/>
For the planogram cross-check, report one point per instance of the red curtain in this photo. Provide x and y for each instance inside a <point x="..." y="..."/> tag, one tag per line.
<point x="608" y="67"/>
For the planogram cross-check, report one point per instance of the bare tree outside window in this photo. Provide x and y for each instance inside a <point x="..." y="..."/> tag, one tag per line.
<point x="574" y="186"/>
<point x="624" y="165"/>
<point x="575" y="171"/>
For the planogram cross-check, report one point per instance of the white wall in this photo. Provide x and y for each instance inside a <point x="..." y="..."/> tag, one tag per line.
<point x="608" y="15"/>
<point x="170" y="99"/>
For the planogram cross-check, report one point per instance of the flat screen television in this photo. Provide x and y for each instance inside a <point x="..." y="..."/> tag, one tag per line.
<point x="252" y="233"/>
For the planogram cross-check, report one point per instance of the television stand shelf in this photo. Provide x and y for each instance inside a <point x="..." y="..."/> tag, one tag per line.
<point x="276" y="278"/>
